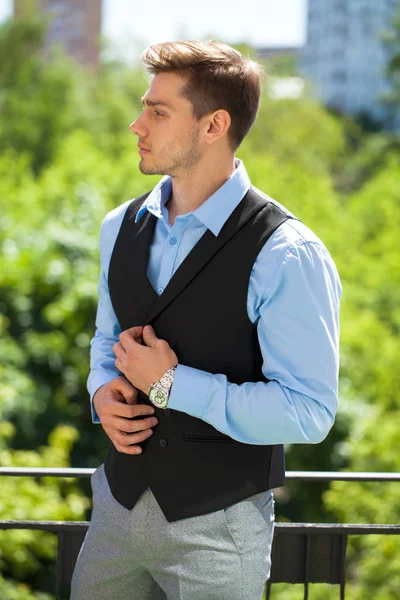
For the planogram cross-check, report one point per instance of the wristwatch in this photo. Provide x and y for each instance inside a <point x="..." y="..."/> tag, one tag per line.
<point x="159" y="392"/>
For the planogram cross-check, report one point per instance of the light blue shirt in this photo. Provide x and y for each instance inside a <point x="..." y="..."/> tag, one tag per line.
<point x="293" y="296"/>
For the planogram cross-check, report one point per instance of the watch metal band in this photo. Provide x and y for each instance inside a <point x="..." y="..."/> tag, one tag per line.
<point x="166" y="381"/>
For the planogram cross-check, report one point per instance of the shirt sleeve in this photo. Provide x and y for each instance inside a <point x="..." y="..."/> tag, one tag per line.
<point x="298" y="330"/>
<point x="102" y="368"/>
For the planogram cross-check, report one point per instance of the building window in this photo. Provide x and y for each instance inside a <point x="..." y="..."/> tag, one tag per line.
<point x="339" y="76"/>
<point x="368" y="30"/>
<point x="338" y="53"/>
<point x="340" y="6"/>
<point x="341" y="31"/>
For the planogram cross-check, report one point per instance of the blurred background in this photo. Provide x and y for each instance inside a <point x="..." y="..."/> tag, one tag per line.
<point x="326" y="145"/>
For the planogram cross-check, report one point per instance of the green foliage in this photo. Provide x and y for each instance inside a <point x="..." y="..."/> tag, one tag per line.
<point x="66" y="158"/>
<point x="12" y="590"/>
<point x="23" y="552"/>
<point x="370" y="378"/>
<point x="297" y="131"/>
<point x="282" y="65"/>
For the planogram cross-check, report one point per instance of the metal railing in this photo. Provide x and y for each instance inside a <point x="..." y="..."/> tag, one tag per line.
<point x="290" y="475"/>
<point x="302" y="553"/>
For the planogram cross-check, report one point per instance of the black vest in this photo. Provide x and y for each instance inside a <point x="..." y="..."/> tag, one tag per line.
<point x="191" y="467"/>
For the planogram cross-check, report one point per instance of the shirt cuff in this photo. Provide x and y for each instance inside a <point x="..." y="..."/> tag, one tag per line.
<point x="95" y="416"/>
<point x="189" y="392"/>
<point x="95" y="381"/>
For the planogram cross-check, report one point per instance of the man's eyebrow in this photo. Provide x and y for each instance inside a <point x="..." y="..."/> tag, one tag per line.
<point x="155" y="103"/>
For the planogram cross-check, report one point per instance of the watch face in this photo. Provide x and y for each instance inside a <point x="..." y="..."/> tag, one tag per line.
<point x="158" y="397"/>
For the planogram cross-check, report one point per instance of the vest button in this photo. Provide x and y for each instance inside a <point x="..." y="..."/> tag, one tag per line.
<point x="167" y="411"/>
<point x="163" y="443"/>
<point x="172" y="343"/>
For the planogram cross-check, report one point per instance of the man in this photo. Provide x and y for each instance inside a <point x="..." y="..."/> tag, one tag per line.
<point x="216" y="343"/>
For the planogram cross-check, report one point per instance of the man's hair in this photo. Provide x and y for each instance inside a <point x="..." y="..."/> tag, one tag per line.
<point x="218" y="77"/>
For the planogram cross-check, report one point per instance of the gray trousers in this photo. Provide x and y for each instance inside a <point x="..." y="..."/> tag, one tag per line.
<point x="138" y="555"/>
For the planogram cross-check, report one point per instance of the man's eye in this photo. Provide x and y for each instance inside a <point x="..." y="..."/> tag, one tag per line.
<point x="157" y="112"/>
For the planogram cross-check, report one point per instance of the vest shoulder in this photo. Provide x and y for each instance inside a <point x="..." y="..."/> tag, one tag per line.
<point x="292" y="231"/>
<point x="116" y="215"/>
<point x="268" y="199"/>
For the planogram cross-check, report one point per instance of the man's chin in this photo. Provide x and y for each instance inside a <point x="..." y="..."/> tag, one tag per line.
<point x="148" y="170"/>
<point x="144" y="170"/>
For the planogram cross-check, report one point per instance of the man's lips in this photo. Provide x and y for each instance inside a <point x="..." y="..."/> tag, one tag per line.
<point x="143" y="149"/>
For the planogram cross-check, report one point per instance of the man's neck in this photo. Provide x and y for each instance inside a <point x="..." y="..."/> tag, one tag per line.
<point x="192" y="189"/>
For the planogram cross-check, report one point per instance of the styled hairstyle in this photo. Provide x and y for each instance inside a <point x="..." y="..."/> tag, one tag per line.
<point x="217" y="77"/>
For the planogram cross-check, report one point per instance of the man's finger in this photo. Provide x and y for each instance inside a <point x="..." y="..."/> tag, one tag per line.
<point x="118" y="365"/>
<point x="126" y="341"/>
<point x="128" y="449"/>
<point x="125" y="388"/>
<point x="135" y="332"/>
<point x="128" y="412"/>
<point x="132" y="426"/>
<point x="119" y="350"/>
<point x="149" y="336"/>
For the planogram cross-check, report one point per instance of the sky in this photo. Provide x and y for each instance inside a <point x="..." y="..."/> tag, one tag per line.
<point x="130" y="25"/>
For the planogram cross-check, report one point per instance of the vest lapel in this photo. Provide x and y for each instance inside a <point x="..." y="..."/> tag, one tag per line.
<point x="128" y="267"/>
<point x="204" y="250"/>
<point x="141" y="240"/>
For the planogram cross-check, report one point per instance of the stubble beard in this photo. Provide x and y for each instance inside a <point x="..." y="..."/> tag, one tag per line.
<point x="178" y="161"/>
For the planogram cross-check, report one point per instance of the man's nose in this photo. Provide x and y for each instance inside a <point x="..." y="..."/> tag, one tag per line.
<point x="138" y="127"/>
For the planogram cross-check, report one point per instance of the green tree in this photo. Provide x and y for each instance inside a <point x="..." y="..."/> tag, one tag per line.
<point x="24" y="553"/>
<point x="371" y="380"/>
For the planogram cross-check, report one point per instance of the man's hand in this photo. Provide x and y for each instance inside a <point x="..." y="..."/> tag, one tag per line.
<point x="114" y="415"/>
<point x="143" y="364"/>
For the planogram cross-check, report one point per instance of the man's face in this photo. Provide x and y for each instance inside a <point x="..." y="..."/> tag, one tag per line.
<point x="169" y="135"/>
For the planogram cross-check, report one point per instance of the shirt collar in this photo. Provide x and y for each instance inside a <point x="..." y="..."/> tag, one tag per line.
<point x="215" y="211"/>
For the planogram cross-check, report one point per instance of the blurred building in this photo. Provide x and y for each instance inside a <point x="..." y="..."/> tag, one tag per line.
<point x="281" y="67"/>
<point x="74" y="24"/>
<point x="344" y="57"/>
<point x="271" y="51"/>
<point x="285" y="87"/>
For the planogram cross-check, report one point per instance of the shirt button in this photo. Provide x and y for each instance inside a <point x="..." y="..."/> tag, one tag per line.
<point x="160" y="290"/>
<point x="163" y="443"/>
<point x="167" y="411"/>
<point x="173" y="241"/>
<point x="172" y="343"/>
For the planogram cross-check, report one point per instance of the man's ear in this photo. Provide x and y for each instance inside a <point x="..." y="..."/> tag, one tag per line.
<point x="218" y="124"/>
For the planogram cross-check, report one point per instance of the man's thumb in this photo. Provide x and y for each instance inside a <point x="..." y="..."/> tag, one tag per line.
<point x="136" y="333"/>
<point x="126" y="389"/>
<point x="149" y="336"/>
